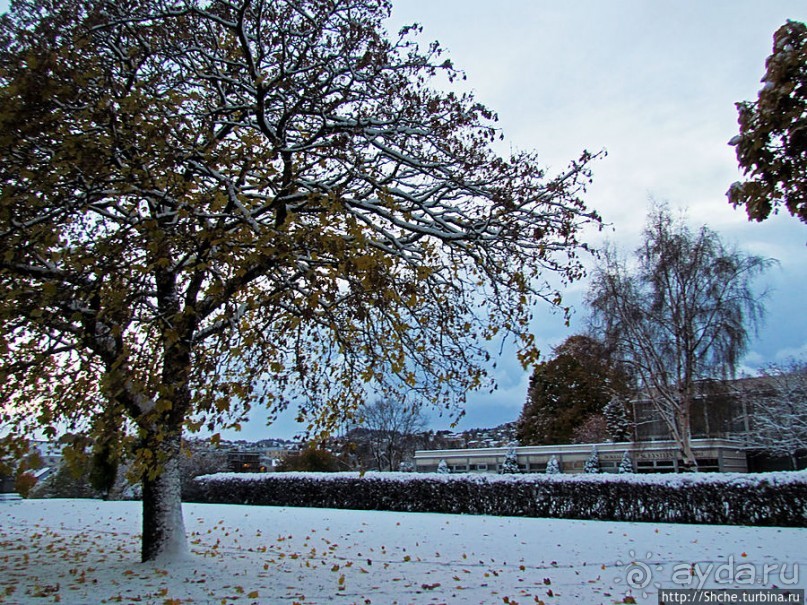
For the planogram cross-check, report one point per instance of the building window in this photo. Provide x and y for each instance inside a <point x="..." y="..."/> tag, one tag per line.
<point x="655" y="466"/>
<point x="708" y="465"/>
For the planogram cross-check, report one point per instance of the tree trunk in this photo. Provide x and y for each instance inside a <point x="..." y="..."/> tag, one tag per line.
<point x="163" y="526"/>
<point x="685" y="440"/>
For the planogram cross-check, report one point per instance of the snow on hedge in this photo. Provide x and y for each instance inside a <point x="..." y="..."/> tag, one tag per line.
<point x="728" y="498"/>
<point x="670" y="479"/>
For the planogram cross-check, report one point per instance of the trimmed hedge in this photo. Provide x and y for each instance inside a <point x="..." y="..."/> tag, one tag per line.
<point x="778" y="499"/>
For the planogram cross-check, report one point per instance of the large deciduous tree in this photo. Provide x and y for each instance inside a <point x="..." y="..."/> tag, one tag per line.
<point x="679" y="314"/>
<point x="772" y="145"/>
<point x="568" y="390"/>
<point x="211" y="205"/>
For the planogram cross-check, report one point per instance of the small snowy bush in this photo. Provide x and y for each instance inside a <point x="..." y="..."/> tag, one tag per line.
<point x="626" y="464"/>
<point x="593" y="462"/>
<point x="510" y="464"/>
<point x="442" y="468"/>
<point x="553" y="466"/>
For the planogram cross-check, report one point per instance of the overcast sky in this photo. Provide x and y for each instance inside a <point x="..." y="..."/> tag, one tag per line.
<point x="654" y="84"/>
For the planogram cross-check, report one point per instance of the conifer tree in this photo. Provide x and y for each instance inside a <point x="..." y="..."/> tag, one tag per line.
<point x="553" y="466"/>
<point x="510" y="464"/>
<point x="593" y="462"/>
<point x="626" y="464"/>
<point x="617" y="420"/>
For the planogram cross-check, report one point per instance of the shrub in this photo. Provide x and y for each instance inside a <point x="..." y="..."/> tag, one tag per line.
<point x="593" y="462"/>
<point x="778" y="499"/>
<point x="553" y="466"/>
<point x="311" y="459"/>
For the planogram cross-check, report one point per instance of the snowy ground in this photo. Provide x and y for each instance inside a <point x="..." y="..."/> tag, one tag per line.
<point x="84" y="551"/>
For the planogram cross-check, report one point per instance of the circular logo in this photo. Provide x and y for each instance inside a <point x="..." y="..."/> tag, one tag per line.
<point x="638" y="574"/>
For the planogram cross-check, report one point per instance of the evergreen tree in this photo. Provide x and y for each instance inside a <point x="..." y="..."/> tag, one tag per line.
<point x="510" y="464"/>
<point x="617" y="420"/>
<point x="442" y="468"/>
<point x="626" y="464"/>
<point x="553" y="466"/>
<point x="593" y="462"/>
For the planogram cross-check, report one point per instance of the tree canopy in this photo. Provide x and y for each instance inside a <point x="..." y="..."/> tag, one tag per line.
<point x="568" y="390"/>
<point x="772" y="144"/>
<point x="680" y="313"/>
<point x="208" y="206"/>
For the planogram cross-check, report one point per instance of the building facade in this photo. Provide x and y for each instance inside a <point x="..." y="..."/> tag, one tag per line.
<point x="713" y="455"/>
<point x="725" y="436"/>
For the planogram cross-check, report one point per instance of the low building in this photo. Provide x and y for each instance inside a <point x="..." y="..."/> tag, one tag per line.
<point x="715" y="455"/>
<point x="245" y="462"/>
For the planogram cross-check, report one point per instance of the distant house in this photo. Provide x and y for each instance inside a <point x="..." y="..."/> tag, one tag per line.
<point x="245" y="462"/>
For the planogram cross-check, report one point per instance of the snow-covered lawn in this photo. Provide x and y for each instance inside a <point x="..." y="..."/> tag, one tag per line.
<point x="84" y="551"/>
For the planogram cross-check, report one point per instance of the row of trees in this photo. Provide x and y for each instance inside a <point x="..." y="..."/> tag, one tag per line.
<point x="578" y="396"/>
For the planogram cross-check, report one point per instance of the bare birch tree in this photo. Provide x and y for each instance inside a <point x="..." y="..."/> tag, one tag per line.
<point x="681" y="313"/>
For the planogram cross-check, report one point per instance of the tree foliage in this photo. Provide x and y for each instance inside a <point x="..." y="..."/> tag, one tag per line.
<point x="211" y="206"/>
<point x="312" y="459"/>
<point x="593" y="430"/>
<point x="625" y="464"/>
<point x="619" y="425"/>
<point x="772" y="144"/>
<point x="567" y="390"/>
<point x="592" y="464"/>
<point x="510" y="463"/>
<point x="680" y="314"/>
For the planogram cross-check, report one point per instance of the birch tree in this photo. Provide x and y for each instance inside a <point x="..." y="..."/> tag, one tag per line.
<point x="208" y="206"/>
<point x="680" y="314"/>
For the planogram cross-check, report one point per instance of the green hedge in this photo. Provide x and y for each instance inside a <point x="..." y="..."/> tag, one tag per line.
<point x="778" y="499"/>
